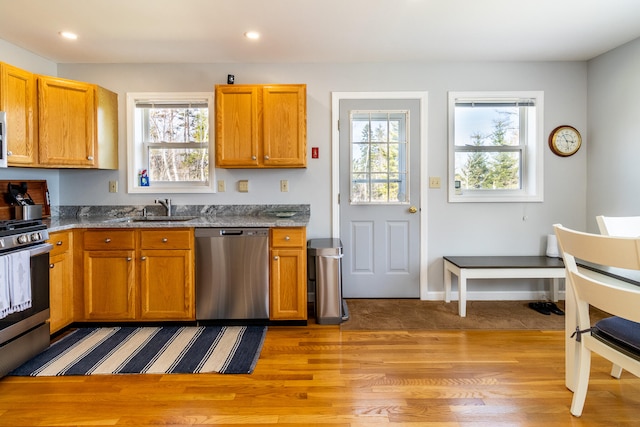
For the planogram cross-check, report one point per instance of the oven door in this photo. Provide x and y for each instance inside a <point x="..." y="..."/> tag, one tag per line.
<point x="16" y="324"/>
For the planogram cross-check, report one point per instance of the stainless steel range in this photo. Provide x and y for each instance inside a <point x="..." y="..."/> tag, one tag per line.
<point x="24" y="291"/>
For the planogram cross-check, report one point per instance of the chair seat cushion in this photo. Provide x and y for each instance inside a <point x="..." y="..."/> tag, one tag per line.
<point x="621" y="332"/>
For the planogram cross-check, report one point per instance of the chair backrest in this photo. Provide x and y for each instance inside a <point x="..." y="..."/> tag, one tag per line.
<point x="623" y="226"/>
<point x="610" y="295"/>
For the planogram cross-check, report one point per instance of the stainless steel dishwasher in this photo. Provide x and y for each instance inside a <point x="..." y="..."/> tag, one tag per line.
<point x="232" y="273"/>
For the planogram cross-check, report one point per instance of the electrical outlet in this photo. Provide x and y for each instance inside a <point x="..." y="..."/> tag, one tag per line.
<point x="434" y="182"/>
<point x="243" y="186"/>
<point x="221" y="186"/>
<point x="113" y="186"/>
<point x="284" y="185"/>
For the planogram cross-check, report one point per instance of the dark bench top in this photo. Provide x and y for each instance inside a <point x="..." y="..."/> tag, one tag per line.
<point x="505" y="261"/>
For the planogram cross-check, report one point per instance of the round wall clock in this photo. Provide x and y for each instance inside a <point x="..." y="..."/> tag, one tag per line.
<point x="565" y="140"/>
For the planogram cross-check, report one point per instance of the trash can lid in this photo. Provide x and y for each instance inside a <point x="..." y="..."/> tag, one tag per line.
<point x="324" y="243"/>
<point x="324" y="247"/>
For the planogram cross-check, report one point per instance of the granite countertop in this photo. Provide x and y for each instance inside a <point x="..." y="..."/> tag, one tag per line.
<point x="196" y="217"/>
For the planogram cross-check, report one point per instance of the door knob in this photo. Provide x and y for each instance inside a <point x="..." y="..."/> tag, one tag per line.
<point x="413" y="209"/>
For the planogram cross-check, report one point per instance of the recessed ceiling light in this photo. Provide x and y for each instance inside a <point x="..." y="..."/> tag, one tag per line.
<point x="253" y="35"/>
<point x="68" y="35"/>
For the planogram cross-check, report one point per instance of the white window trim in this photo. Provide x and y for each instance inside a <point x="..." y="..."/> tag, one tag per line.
<point x="533" y="190"/>
<point x="133" y="185"/>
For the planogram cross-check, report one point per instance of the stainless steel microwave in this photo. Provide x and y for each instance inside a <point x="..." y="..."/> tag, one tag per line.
<point x="3" y="139"/>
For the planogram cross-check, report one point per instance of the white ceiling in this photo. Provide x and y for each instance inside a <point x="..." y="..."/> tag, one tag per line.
<point x="315" y="31"/>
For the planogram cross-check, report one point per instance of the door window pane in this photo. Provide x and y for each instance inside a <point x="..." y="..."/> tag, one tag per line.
<point x="379" y="157"/>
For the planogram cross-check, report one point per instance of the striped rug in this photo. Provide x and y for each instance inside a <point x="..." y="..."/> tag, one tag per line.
<point x="151" y="350"/>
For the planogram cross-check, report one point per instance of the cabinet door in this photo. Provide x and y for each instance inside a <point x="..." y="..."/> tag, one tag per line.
<point x="284" y="120"/>
<point x="109" y="285"/>
<point x="60" y="281"/>
<point x="166" y="285"/>
<point x="60" y="291"/>
<point x="288" y="290"/>
<point x="66" y="122"/>
<point x="18" y="100"/>
<point x="237" y="126"/>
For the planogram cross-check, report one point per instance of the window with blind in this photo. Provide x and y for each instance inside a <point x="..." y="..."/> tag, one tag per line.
<point x="169" y="143"/>
<point x="495" y="146"/>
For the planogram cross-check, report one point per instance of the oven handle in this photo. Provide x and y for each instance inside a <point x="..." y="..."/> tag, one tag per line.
<point x="40" y="249"/>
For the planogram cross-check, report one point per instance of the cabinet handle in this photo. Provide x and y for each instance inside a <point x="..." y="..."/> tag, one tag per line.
<point x="107" y="240"/>
<point x="266" y="157"/>
<point x="51" y="265"/>
<point x="89" y="157"/>
<point x="143" y="258"/>
<point x="287" y="238"/>
<point x="59" y="243"/>
<point x="276" y="257"/>
<point x="128" y="258"/>
<point x="165" y="240"/>
<point x="253" y="157"/>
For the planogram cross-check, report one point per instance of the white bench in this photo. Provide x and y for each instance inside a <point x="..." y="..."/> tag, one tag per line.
<point x="499" y="267"/>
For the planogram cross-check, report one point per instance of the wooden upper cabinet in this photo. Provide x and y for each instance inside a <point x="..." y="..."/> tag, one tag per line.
<point x="261" y="126"/>
<point x="284" y="115"/>
<point x="67" y="122"/>
<point x="18" y="100"/>
<point x="237" y="130"/>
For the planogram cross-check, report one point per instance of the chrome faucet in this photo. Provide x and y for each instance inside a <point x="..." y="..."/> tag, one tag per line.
<point x="166" y="203"/>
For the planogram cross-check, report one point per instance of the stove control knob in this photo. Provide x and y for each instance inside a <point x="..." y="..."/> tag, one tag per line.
<point x="35" y="237"/>
<point x="23" y="238"/>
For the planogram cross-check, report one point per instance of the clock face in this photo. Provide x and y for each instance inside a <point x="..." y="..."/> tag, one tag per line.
<point x="565" y="141"/>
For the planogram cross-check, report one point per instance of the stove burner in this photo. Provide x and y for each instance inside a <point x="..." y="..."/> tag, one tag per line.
<point x="16" y="224"/>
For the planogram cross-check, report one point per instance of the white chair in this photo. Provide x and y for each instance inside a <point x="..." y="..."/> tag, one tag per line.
<point x="616" y="338"/>
<point x="622" y="226"/>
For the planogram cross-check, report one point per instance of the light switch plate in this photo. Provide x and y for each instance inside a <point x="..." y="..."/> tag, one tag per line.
<point x="284" y="185"/>
<point x="113" y="186"/>
<point x="434" y="182"/>
<point x="243" y="186"/>
<point x="221" y="186"/>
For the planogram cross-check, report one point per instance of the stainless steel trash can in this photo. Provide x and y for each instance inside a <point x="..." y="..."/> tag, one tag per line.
<point x="324" y="267"/>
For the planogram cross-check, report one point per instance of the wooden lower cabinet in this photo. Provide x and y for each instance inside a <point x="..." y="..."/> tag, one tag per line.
<point x="61" y="280"/>
<point x="166" y="275"/>
<point x="288" y="274"/>
<point x="138" y="274"/>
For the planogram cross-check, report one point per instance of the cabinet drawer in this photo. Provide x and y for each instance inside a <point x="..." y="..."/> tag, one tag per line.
<point x="60" y="242"/>
<point x="166" y="239"/>
<point x="108" y="239"/>
<point x="288" y="237"/>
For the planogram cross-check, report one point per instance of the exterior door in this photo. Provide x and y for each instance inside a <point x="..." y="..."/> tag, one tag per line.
<point x="380" y="197"/>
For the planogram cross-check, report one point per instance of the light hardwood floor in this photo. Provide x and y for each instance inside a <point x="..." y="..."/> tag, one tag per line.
<point x="322" y="376"/>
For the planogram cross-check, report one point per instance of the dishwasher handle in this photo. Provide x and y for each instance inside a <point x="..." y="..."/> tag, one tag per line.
<point x="231" y="232"/>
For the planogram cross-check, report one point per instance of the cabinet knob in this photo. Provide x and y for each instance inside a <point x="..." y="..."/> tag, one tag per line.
<point x="51" y="265"/>
<point x="253" y="157"/>
<point x="276" y="257"/>
<point x="143" y="258"/>
<point x="9" y="153"/>
<point x="107" y="240"/>
<point x="89" y="157"/>
<point x="165" y="240"/>
<point x="287" y="238"/>
<point x="266" y="157"/>
<point x="59" y="243"/>
<point x="128" y="258"/>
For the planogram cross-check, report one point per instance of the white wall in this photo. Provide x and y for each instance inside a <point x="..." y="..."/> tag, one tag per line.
<point x="614" y="129"/>
<point x="454" y="229"/>
<point x="463" y="229"/>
